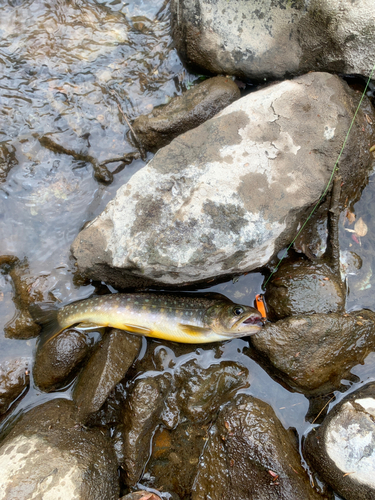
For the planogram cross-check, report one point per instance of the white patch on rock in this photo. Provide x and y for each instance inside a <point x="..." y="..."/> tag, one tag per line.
<point x="38" y="470"/>
<point x="351" y="445"/>
<point x="368" y="404"/>
<point x="285" y="143"/>
<point x="329" y="132"/>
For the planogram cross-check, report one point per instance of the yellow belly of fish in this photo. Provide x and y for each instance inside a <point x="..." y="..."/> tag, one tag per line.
<point x="163" y="328"/>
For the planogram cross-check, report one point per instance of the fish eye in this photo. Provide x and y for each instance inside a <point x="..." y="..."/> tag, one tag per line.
<point x="238" y="311"/>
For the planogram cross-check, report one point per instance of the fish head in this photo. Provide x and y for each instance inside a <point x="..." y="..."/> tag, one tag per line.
<point x="237" y="320"/>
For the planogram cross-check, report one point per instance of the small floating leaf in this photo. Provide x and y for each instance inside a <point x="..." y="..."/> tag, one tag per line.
<point x="360" y="227"/>
<point x="350" y="216"/>
<point x="372" y="148"/>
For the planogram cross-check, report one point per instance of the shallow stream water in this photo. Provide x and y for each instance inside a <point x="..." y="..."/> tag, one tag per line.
<point x="66" y="69"/>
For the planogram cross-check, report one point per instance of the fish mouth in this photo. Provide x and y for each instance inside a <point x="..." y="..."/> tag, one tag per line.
<point x="253" y="320"/>
<point x="249" y="325"/>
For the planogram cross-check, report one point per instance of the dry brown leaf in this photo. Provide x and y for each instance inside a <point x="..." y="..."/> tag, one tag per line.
<point x="150" y="496"/>
<point x="360" y="227"/>
<point x="350" y="216"/>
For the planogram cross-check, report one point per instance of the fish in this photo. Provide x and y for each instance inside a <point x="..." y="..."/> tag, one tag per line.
<point x="184" y="318"/>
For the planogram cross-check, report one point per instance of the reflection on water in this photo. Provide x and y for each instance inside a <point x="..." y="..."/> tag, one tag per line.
<point x="361" y="282"/>
<point x="65" y="67"/>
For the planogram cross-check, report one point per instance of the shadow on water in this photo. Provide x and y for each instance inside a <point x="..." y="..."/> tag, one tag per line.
<point x="65" y="67"/>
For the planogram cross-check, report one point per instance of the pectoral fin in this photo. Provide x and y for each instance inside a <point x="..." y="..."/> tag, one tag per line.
<point x="194" y="330"/>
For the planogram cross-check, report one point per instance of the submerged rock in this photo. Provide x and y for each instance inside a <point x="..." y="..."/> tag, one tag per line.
<point x="314" y="353"/>
<point x="250" y="455"/>
<point x="174" y="459"/>
<point x="185" y="112"/>
<point x="8" y="160"/>
<point x="48" y="455"/>
<point x="342" y="449"/>
<point x="22" y="326"/>
<point x="268" y="39"/>
<point x="14" y="381"/>
<point x="58" y="360"/>
<point x="107" y="366"/>
<point x="226" y="196"/>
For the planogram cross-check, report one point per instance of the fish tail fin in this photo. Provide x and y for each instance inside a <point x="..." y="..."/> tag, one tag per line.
<point x="49" y="322"/>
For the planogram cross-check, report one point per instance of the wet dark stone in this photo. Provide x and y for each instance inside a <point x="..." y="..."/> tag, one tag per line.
<point x="200" y="391"/>
<point x="342" y="449"/>
<point x="110" y="413"/>
<point x="107" y="367"/>
<point x="312" y="354"/>
<point x="49" y="455"/>
<point x="249" y="455"/>
<point x="185" y="112"/>
<point x="197" y="389"/>
<point x="140" y="419"/>
<point x="58" y="360"/>
<point x="303" y="287"/>
<point x="318" y="408"/>
<point x="14" y="381"/>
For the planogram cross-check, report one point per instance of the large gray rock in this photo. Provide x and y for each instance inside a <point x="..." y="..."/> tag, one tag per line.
<point x="271" y="39"/>
<point x="49" y="455"/>
<point x="342" y="450"/>
<point x="226" y="196"/>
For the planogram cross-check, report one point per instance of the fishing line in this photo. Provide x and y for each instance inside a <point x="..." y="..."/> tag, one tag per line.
<point x="334" y="170"/>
